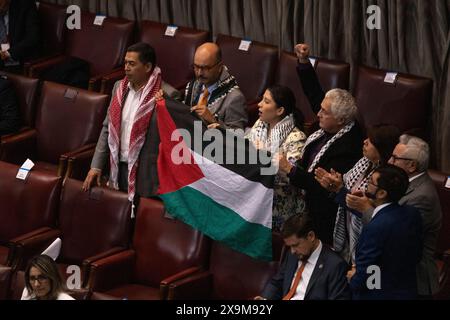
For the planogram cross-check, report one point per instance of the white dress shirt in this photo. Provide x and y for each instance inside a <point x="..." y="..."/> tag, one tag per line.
<point x="416" y="176"/>
<point x="307" y="273"/>
<point x="129" y="109"/>
<point x="379" y="208"/>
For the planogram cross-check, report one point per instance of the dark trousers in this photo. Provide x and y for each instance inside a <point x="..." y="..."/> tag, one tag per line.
<point x="123" y="176"/>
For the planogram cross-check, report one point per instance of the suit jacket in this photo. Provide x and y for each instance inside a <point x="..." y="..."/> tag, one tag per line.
<point x="147" y="174"/>
<point x="328" y="280"/>
<point x="341" y="156"/>
<point x="422" y="195"/>
<point x="9" y="108"/>
<point x="23" y="30"/>
<point x="230" y="109"/>
<point x="392" y="241"/>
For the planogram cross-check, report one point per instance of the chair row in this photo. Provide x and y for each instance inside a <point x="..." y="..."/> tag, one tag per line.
<point x="60" y="126"/>
<point x="255" y="69"/>
<point x="166" y="258"/>
<point x="95" y="228"/>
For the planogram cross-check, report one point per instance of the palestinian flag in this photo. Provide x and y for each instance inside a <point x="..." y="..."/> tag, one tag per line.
<point x="215" y="184"/>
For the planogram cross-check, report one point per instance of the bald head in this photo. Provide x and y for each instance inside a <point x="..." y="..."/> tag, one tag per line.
<point x="210" y="50"/>
<point x="208" y="63"/>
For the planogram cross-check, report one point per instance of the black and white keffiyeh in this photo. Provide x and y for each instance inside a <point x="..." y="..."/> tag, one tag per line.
<point x="355" y="179"/>
<point x="278" y="133"/>
<point x="319" y="133"/>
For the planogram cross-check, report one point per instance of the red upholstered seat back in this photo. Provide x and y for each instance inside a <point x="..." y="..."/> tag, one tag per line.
<point x="27" y="205"/>
<point x="103" y="46"/>
<point x="92" y="222"/>
<point x="66" y="122"/>
<point x="164" y="246"/>
<point x="174" y="55"/>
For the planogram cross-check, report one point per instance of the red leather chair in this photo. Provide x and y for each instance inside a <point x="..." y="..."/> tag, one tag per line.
<point x="103" y="56"/>
<point x="331" y="74"/>
<point x="5" y="279"/>
<point x="231" y="275"/>
<point x="92" y="225"/>
<point x="254" y="70"/>
<point x="27" y="207"/>
<point x="26" y="91"/>
<point x="163" y="250"/>
<point x="52" y="23"/>
<point x="17" y="284"/>
<point x="443" y="245"/>
<point x="68" y="122"/>
<point x="405" y="104"/>
<point x="174" y="55"/>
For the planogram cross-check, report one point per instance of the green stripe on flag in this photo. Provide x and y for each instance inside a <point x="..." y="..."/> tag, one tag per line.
<point x="219" y="222"/>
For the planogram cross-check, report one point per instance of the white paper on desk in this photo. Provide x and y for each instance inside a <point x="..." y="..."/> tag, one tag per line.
<point x="25" y="170"/>
<point x="390" y="77"/>
<point x="447" y="184"/>
<point x="245" y="45"/>
<point x="5" y="46"/>
<point x="99" y="20"/>
<point x="53" y="250"/>
<point x="171" y="30"/>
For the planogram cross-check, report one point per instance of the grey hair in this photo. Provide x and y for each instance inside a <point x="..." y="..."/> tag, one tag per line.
<point x="343" y="105"/>
<point x="416" y="149"/>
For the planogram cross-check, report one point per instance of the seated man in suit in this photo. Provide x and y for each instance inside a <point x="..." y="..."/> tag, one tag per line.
<point x="215" y="95"/>
<point x="336" y="145"/>
<point x="9" y="108"/>
<point x="310" y="270"/>
<point x="391" y="244"/>
<point x="19" y="33"/>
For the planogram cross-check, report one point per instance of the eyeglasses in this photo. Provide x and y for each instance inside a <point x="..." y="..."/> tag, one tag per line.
<point x="205" y="68"/>
<point x="395" y="158"/>
<point x="39" y="278"/>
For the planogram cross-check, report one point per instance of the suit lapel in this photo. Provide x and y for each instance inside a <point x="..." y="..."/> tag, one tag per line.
<point x="414" y="184"/>
<point x="318" y="269"/>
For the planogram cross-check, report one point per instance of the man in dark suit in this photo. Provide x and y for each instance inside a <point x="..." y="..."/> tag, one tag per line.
<point x="336" y="145"/>
<point x="412" y="155"/>
<point x="9" y="108"/>
<point x="390" y="246"/>
<point x="310" y="270"/>
<point x="19" y="31"/>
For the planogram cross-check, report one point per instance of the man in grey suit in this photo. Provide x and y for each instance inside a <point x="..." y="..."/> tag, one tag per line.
<point x="310" y="270"/>
<point x="131" y="149"/>
<point x="412" y="154"/>
<point x="215" y="95"/>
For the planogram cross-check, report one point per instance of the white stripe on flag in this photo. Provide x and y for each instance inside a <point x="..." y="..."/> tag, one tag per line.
<point x="251" y="200"/>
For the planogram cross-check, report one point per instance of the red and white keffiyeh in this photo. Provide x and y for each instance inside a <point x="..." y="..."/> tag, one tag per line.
<point x="139" y="129"/>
